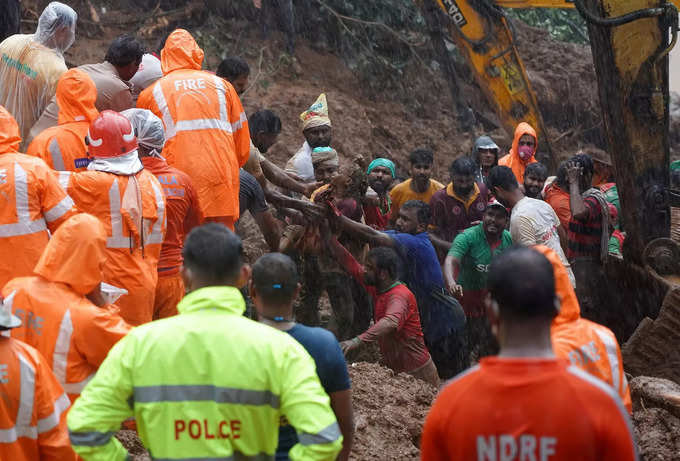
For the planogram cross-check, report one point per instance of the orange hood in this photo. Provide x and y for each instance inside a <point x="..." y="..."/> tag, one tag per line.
<point x="76" y="254"/>
<point x="512" y="160"/>
<point x="10" y="137"/>
<point x="180" y="52"/>
<point x="569" y="307"/>
<point x="76" y="95"/>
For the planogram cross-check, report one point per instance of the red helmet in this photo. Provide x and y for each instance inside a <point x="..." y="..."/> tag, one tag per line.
<point x="110" y="135"/>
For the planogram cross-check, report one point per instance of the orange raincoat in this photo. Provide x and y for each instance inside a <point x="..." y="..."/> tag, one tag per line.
<point x="133" y="247"/>
<point x="205" y="126"/>
<point x="67" y="328"/>
<point x="63" y="147"/>
<point x="587" y="345"/>
<point x="31" y="202"/>
<point x="32" y="408"/>
<point x="512" y="159"/>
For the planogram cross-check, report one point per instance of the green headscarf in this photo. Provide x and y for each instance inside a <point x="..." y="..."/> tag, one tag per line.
<point x="384" y="163"/>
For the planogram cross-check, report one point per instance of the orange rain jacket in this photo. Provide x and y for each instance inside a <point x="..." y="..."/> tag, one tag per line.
<point x="67" y="328"/>
<point x="132" y="252"/>
<point x="31" y="202"/>
<point x="32" y="408"/>
<point x="206" y="129"/>
<point x="512" y="159"/>
<point x="63" y="147"/>
<point x="588" y="345"/>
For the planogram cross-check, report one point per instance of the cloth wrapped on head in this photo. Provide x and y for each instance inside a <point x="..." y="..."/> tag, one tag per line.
<point x="56" y="16"/>
<point x="383" y="162"/>
<point x="149" y="128"/>
<point x="326" y="155"/>
<point x="317" y="114"/>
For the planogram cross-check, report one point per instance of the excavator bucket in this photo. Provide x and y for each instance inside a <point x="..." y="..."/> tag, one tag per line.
<point x="480" y="30"/>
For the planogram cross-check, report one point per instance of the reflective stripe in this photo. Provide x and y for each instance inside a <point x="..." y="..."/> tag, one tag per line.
<point x="612" y="348"/>
<point x="90" y="439"/>
<point x="59" y="210"/>
<point x="327" y="435"/>
<point x="61" y="347"/>
<point x="203" y="124"/>
<point x="57" y="158"/>
<point x="237" y="125"/>
<point x="237" y="456"/>
<point x="182" y="393"/>
<point x="117" y="239"/>
<point x="222" y="99"/>
<point x="24" y="225"/>
<point x="162" y="104"/>
<point x="156" y="235"/>
<point x="51" y="421"/>
<point x="77" y="388"/>
<point x="64" y="178"/>
<point x="22" y="425"/>
<point x="607" y="389"/>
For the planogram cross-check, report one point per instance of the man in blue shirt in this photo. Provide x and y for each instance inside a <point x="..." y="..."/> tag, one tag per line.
<point x="442" y="319"/>
<point x="274" y="286"/>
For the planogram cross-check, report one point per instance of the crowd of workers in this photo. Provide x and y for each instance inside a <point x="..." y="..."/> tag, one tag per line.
<point x="124" y="301"/>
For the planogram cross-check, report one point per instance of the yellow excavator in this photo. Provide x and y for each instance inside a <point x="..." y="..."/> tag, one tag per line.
<point x="630" y="42"/>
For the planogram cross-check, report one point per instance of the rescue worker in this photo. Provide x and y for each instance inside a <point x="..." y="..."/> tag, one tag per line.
<point x="32" y="64"/>
<point x="207" y="135"/>
<point x="208" y="395"/>
<point x="33" y="405"/>
<point x="181" y="205"/>
<point x="111" y="78"/>
<point x="526" y="403"/>
<point x="316" y="128"/>
<point x="523" y="151"/>
<point x="31" y="203"/>
<point x="588" y="345"/>
<point x="63" y="147"/>
<point x="129" y="201"/>
<point x="63" y="313"/>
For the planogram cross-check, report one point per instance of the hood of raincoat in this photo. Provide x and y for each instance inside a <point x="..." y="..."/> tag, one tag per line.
<point x="76" y="254"/>
<point x="10" y="137"/>
<point x="569" y="307"/>
<point x="522" y="129"/>
<point x="181" y="52"/>
<point x="76" y="96"/>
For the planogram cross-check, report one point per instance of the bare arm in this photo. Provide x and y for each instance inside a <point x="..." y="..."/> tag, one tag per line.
<point x="364" y="232"/>
<point x="341" y="403"/>
<point x="451" y="272"/>
<point x="564" y="242"/>
<point x="578" y="207"/>
<point x="280" y="178"/>
<point x="439" y="243"/>
<point x="269" y="227"/>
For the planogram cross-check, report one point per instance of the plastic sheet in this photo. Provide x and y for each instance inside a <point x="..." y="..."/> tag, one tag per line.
<point x="57" y="27"/>
<point x="149" y="128"/>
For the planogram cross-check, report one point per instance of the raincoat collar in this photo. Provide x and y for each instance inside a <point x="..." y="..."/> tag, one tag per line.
<point x="181" y="52"/>
<point x="10" y="137"/>
<point x="222" y="298"/>
<point x="125" y="165"/>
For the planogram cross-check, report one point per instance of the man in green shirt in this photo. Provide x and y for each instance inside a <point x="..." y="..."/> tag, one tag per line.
<point x="466" y="268"/>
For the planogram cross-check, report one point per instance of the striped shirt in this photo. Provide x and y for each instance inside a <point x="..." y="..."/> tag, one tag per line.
<point x="585" y="235"/>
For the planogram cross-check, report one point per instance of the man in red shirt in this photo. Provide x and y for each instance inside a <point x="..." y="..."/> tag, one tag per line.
<point x="395" y="312"/>
<point x="182" y="209"/>
<point x="525" y="404"/>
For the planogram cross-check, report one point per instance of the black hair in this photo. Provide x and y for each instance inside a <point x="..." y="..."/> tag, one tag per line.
<point x="502" y="177"/>
<point x="421" y="155"/>
<point x="522" y="282"/>
<point x="214" y="252"/>
<point x="585" y="162"/>
<point x="232" y="68"/>
<point x="463" y="166"/>
<point x="264" y="121"/>
<point x="537" y="169"/>
<point x="124" y="50"/>
<point x="275" y="278"/>
<point x="561" y="178"/>
<point x="386" y="258"/>
<point x="424" y="214"/>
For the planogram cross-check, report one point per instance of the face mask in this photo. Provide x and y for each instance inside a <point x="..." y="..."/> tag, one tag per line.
<point x="525" y="152"/>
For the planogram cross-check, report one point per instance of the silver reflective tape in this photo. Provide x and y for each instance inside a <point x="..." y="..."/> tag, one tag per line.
<point x="61" y="347"/>
<point x="26" y="400"/>
<point x="203" y="124"/>
<point x="116" y="240"/>
<point x="189" y="393"/>
<point x="237" y="125"/>
<point x="64" y="178"/>
<point x="221" y="98"/>
<point x="156" y="235"/>
<point x="612" y="355"/>
<point x="59" y="210"/>
<point x="51" y="421"/>
<point x="55" y="153"/>
<point x="20" y="228"/>
<point x="77" y="388"/>
<point x="327" y="435"/>
<point x="162" y="104"/>
<point x="90" y="439"/>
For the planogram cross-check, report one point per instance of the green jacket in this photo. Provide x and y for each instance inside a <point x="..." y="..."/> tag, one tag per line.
<point x="206" y="384"/>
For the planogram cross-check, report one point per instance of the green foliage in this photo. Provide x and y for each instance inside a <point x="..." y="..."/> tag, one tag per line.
<point x="563" y="24"/>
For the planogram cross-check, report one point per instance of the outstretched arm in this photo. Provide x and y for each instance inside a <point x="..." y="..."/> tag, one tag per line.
<point x="282" y="179"/>
<point x="364" y="232"/>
